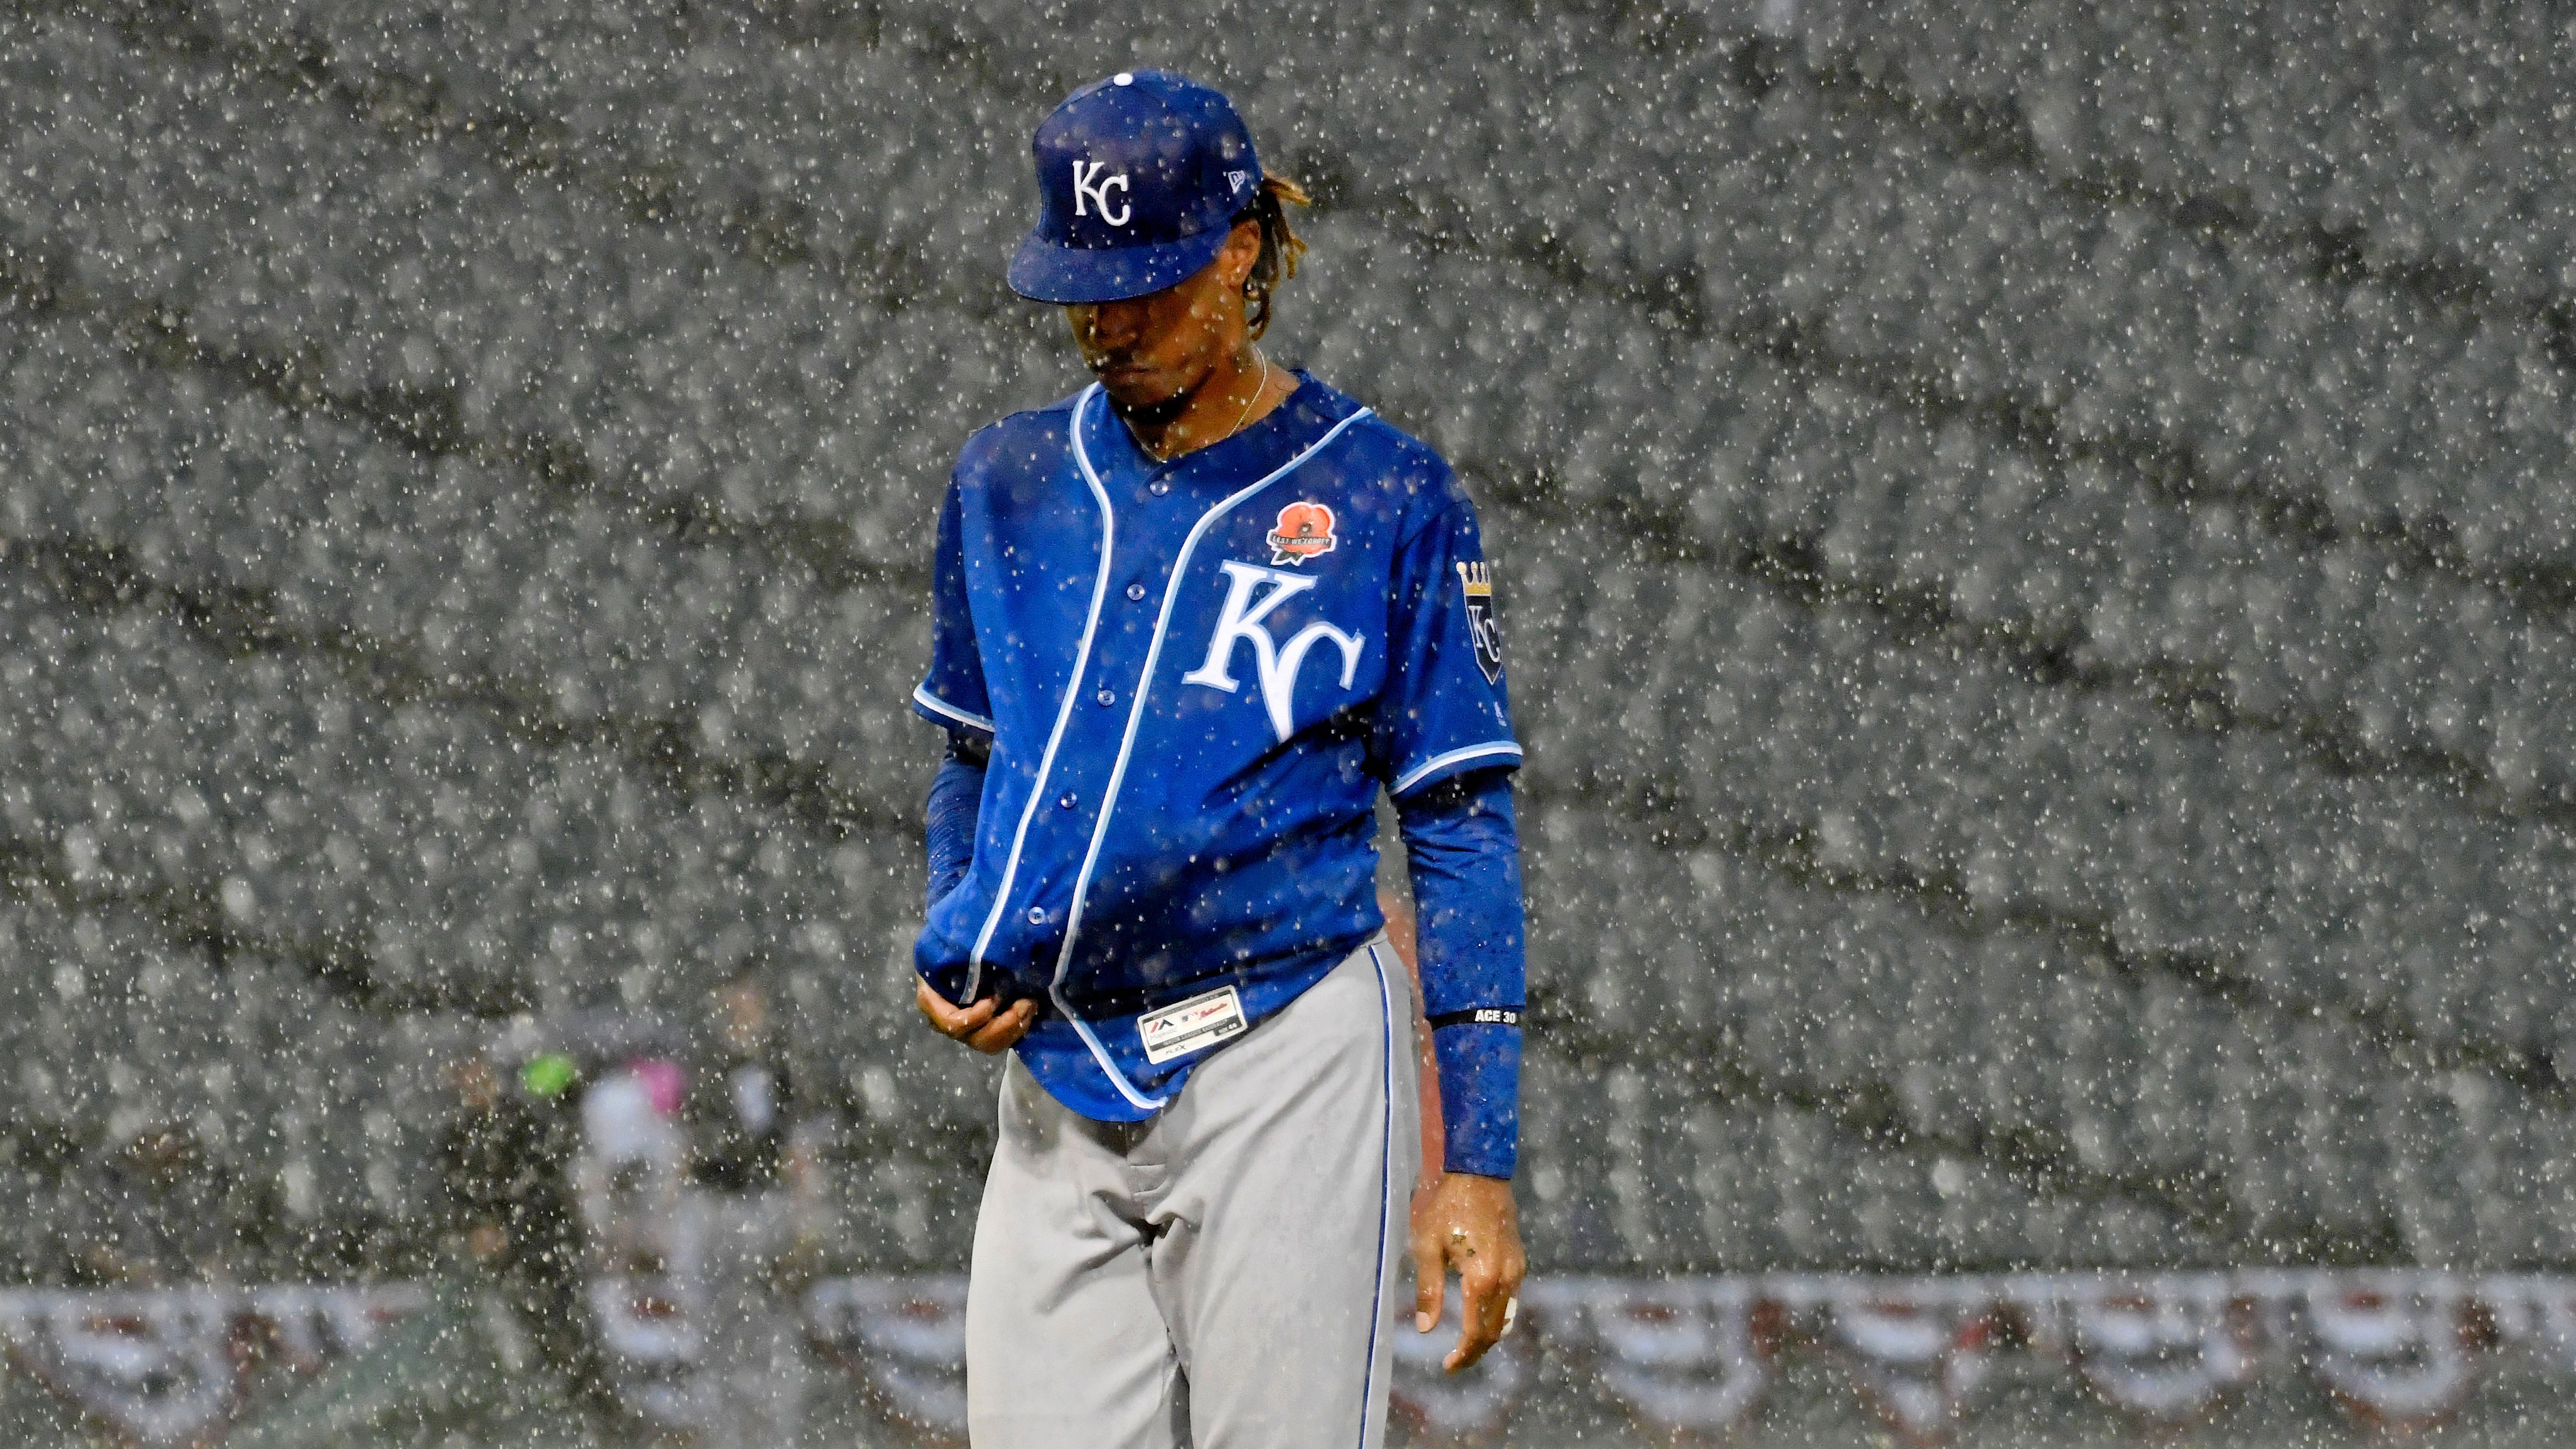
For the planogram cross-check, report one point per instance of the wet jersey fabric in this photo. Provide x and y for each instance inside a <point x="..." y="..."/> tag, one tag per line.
<point x="1195" y="676"/>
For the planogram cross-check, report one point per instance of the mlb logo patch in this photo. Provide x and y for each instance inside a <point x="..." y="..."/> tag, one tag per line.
<point x="1305" y="530"/>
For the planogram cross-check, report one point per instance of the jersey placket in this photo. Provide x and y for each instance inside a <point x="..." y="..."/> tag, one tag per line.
<point x="1143" y="541"/>
<point x="1149" y="498"/>
<point x="1155" y="511"/>
<point x="1154" y="518"/>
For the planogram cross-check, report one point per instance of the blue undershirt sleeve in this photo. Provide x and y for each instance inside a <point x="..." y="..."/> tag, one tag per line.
<point x="956" y="798"/>
<point x="1464" y="853"/>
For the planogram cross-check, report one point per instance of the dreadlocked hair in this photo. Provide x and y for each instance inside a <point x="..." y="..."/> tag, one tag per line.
<point x="1280" y="247"/>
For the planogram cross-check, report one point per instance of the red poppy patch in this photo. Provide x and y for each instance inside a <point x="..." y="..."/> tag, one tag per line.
<point x="1305" y="530"/>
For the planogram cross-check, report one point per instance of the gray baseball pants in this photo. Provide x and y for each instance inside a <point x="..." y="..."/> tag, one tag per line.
<point x="1222" y="1274"/>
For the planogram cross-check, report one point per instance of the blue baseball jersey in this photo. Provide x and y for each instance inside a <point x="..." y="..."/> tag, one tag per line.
<point x="1195" y="676"/>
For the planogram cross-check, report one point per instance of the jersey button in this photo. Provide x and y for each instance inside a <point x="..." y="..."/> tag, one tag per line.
<point x="1159" y="487"/>
<point x="1064" y="801"/>
<point x="1135" y="593"/>
<point x="1105" y="697"/>
<point x="1037" y="915"/>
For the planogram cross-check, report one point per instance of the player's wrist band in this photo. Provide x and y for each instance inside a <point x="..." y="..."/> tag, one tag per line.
<point x="1478" y="1016"/>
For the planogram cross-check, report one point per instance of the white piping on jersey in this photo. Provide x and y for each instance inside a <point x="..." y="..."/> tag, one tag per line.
<point x="1498" y="749"/>
<point x="1063" y="714"/>
<point x="1127" y="743"/>
<point x="922" y="696"/>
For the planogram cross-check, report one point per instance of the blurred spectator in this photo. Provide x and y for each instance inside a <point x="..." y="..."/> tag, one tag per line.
<point x="504" y="1352"/>
<point x="501" y="1174"/>
<point x="505" y="1176"/>
<point x="632" y="1166"/>
<point x="752" y="1200"/>
<point x="155" y="1210"/>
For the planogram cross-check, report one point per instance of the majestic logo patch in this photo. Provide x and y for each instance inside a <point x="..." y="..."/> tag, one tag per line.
<point x="1092" y="185"/>
<point x="1477" y="581"/>
<point x="1305" y="530"/>
<point x="1201" y="1021"/>
<point x="1275" y="664"/>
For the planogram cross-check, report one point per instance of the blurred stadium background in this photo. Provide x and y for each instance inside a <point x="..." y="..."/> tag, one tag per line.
<point x="2037" y="546"/>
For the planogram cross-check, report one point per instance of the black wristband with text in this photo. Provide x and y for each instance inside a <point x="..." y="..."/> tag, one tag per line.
<point x="1478" y="1016"/>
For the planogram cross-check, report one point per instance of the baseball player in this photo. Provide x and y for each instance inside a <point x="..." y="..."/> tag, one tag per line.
<point x="1186" y="624"/>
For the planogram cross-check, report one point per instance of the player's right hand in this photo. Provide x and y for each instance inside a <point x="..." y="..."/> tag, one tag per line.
<point x="980" y="1026"/>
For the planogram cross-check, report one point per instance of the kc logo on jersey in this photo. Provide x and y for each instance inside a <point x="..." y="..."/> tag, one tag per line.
<point x="1477" y="582"/>
<point x="1305" y="530"/>
<point x="1276" y="664"/>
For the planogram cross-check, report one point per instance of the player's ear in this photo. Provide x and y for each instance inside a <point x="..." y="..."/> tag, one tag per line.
<point x="1234" y="262"/>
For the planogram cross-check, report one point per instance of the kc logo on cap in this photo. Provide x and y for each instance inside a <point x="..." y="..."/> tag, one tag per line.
<point x="1096" y="187"/>
<point x="1140" y="178"/>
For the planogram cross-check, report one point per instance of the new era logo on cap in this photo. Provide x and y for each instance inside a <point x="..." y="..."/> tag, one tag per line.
<point x="1140" y="176"/>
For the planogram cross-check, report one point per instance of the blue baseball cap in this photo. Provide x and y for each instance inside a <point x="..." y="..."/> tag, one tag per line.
<point x="1140" y="178"/>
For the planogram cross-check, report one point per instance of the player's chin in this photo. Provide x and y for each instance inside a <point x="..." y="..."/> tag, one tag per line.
<point x="1138" y="388"/>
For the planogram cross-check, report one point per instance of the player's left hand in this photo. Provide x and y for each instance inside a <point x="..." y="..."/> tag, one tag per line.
<point x="1468" y="1225"/>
